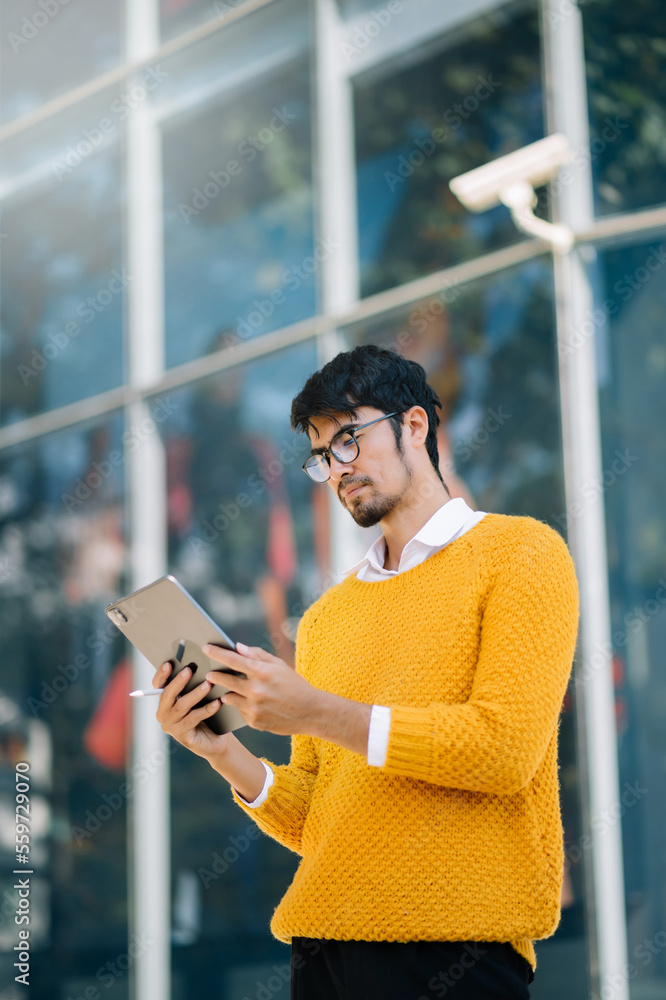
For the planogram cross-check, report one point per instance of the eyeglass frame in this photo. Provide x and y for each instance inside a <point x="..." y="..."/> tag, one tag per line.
<point x="327" y="452"/>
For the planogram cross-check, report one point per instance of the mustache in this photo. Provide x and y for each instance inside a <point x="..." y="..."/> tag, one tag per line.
<point x="351" y="484"/>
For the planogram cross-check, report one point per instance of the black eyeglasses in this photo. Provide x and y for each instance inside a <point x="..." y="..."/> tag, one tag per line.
<point x="344" y="447"/>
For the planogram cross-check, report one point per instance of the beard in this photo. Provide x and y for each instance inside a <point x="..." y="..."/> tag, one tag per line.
<point x="370" y="511"/>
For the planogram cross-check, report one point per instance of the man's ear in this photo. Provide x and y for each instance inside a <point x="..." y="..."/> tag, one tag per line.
<point x="416" y="423"/>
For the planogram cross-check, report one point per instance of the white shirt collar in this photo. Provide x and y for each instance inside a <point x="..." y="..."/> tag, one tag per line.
<point x="440" y="529"/>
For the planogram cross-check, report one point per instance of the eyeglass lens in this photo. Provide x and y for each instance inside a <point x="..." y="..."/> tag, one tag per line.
<point x="343" y="448"/>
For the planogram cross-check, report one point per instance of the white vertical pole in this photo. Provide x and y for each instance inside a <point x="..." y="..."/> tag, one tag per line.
<point x="149" y="842"/>
<point x="335" y="195"/>
<point x="335" y="162"/>
<point x="567" y="98"/>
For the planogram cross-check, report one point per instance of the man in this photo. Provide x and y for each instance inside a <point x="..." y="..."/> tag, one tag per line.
<point x="422" y="790"/>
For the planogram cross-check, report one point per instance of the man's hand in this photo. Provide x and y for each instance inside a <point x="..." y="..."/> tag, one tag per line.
<point x="179" y="718"/>
<point x="272" y="696"/>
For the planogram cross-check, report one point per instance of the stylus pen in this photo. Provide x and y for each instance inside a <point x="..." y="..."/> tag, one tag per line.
<point x="144" y="694"/>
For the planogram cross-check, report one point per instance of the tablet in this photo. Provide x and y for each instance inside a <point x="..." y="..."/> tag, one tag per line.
<point x="164" y="622"/>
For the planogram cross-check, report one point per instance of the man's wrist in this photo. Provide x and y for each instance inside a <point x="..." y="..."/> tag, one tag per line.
<point x="219" y="759"/>
<point x="245" y="772"/>
<point x="340" y="720"/>
<point x="263" y="794"/>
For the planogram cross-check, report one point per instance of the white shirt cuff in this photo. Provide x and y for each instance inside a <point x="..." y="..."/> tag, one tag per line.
<point x="378" y="735"/>
<point x="261" y="797"/>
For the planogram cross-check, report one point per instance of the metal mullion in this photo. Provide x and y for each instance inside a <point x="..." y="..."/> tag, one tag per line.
<point x="335" y="198"/>
<point x="149" y="820"/>
<point x="322" y="325"/>
<point x="363" y="309"/>
<point x="567" y="113"/>
<point x="62" y="417"/>
<point x="225" y="358"/>
<point x="128" y="69"/>
<point x="449" y="277"/>
<point x="628" y="224"/>
<point x="173" y="378"/>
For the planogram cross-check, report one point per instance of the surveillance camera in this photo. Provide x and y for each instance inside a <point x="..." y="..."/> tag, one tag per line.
<point x="511" y="180"/>
<point x="480" y="189"/>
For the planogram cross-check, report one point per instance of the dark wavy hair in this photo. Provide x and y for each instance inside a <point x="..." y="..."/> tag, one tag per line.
<point x="369" y="376"/>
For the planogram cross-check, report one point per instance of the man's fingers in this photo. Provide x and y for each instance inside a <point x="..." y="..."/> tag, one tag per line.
<point x="161" y="674"/>
<point x="171" y="692"/>
<point x="186" y="702"/>
<point x="238" y="660"/>
<point x="255" y="652"/>
<point x="238" y="701"/>
<point x="228" y="657"/>
<point x="193" y="718"/>
<point x="183" y="710"/>
<point x="230" y="681"/>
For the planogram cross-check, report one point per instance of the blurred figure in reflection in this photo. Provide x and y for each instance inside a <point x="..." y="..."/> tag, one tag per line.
<point x="93" y="579"/>
<point x="240" y="509"/>
<point x="426" y="339"/>
<point x="93" y="573"/>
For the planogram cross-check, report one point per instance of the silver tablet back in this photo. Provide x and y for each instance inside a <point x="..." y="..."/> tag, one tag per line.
<point x="164" y="622"/>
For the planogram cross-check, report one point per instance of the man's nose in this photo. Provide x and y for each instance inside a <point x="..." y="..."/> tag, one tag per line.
<point x="338" y="468"/>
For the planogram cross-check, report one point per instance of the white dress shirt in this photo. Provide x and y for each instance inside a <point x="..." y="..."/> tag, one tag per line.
<point x="451" y="521"/>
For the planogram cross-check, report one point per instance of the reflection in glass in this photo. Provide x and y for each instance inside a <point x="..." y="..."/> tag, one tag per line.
<point x="477" y="98"/>
<point x="633" y="489"/>
<point x="489" y="351"/>
<point x="49" y="48"/>
<point x="178" y="16"/>
<point x="351" y="8"/>
<point x="63" y="699"/>
<point x="240" y="258"/>
<point x="625" y="46"/>
<point x="242" y="520"/>
<point x="62" y="289"/>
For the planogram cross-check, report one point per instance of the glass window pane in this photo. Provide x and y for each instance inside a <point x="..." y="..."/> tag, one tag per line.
<point x="476" y="97"/>
<point x="62" y="285"/>
<point x="242" y="521"/>
<point x="54" y="147"/>
<point x="48" y="47"/>
<point x="487" y="347"/>
<point x="625" y="45"/>
<point x="633" y="414"/>
<point x="349" y="8"/>
<point x="489" y="350"/>
<point x="178" y="16"/>
<point x="239" y="239"/>
<point x="63" y="702"/>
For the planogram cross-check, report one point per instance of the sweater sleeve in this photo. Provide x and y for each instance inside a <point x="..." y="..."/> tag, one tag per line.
<point x="495" y="741"/>
<point x="285" y="809"/>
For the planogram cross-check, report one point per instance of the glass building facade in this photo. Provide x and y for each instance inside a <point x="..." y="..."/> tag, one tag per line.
<point x="200" y="203"/>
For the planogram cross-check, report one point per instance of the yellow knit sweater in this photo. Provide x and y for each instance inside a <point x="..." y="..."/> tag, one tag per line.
<point x="459" y="835"/>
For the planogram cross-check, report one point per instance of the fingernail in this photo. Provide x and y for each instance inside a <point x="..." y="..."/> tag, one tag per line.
<point x="206" y="648"/>
<point x="242" y="648"/>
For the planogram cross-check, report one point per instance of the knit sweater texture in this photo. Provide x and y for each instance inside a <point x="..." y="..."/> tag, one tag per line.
<point x="459" y="835"/>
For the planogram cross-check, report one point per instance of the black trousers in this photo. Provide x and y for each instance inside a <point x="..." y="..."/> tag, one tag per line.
<point x="416" y="970"/>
